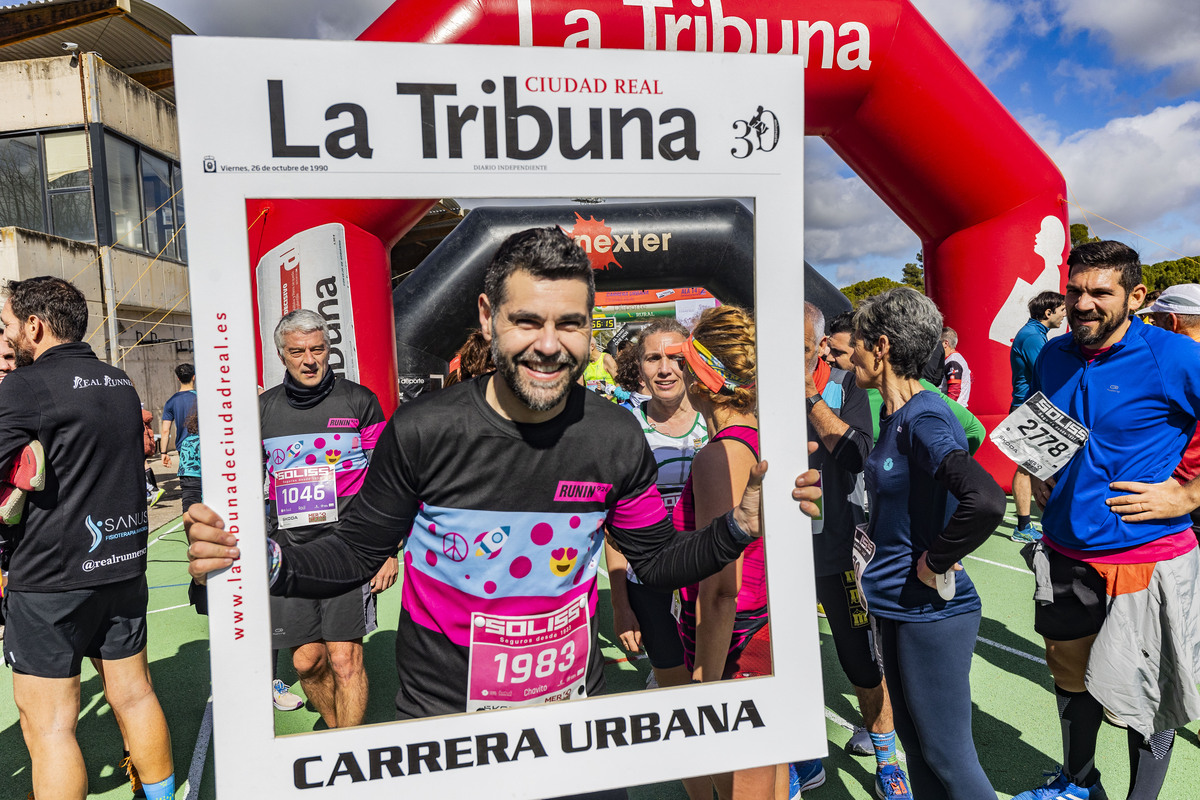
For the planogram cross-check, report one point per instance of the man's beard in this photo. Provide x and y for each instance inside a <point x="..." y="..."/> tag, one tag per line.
<point x="24" y="357"/>
<point x="1092" y="338"/>
<point x="535" y="397"/>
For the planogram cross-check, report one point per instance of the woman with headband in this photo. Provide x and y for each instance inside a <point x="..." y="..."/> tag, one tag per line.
<point x="723" y="623"/>
<point x="675" y="431"/>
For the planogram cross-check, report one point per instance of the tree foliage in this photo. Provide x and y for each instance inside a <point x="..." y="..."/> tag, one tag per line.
<point x="1171" y="273"/>
<point x="914" y="273"/>
<point x="857" y="292"/>
<point x="1081" y="235"/>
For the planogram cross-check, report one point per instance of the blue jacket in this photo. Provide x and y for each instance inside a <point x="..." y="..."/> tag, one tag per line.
<point x="1139" y="400"/>
<point x="1026" y="347"/>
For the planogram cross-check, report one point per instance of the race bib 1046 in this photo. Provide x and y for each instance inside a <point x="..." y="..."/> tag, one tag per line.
<point x="1039" y="437"/>
<point x="306" y="496"/>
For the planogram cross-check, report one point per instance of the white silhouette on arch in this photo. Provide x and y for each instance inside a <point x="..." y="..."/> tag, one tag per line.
<point x="1049" y="244"/>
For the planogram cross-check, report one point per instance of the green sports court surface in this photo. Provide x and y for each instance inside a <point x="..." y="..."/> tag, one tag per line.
<point x="1016" y="729"/>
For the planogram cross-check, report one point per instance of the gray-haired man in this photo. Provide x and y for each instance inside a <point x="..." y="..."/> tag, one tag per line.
<point x="318" y="433"/>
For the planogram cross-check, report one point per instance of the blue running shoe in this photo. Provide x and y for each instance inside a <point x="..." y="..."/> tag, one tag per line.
<point x="891" y="782"/>
<point x="1026" y="534"/>
<point x="1059" y="787"/>
<point x="805" y="775"/>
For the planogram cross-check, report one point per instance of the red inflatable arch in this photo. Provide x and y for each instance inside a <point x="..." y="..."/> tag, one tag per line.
<point x="890" y="97"/>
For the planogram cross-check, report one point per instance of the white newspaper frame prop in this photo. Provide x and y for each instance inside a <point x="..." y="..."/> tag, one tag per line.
<point x="224" y="129"/>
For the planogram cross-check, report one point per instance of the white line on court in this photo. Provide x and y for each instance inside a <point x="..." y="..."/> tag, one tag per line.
<point x="1012" y="650"/>
<point x="191" y="789"/>
<point x="174" y="529"/>
<point x="998" y="564"/>
<point x="169" y="608"/>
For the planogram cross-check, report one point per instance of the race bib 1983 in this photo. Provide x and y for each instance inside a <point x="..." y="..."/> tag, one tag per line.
<point x="1039" y="437"/>
<point x="528" y="660"/>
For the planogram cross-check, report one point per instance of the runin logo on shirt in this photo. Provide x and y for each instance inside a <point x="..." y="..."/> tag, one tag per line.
<point x="582" y="492"/>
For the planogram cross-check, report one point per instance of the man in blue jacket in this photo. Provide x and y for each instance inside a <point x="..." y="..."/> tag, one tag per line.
<point x="1136" y="389"/>
<point x="1046" y="312"/>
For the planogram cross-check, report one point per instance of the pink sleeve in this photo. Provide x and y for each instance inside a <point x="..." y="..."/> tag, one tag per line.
<point x="638" y="512"/>
<point x="370" y="435"/>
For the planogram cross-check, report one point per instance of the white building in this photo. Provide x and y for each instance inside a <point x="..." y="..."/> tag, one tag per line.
<point x="89" y="175"/>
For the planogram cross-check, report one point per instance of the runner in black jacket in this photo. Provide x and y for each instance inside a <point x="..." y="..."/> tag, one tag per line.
<point x="77" y="577"/>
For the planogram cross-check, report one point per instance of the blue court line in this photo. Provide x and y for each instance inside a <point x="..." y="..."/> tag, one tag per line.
<point x="171" y="585"/>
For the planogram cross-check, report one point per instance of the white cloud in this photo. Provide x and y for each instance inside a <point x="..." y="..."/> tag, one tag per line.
<point x="974" y="28"/>
<point x="846" y="225"/>
<point x="1134" y="170"/>
<point x="298" y="19"/>
<point x="1092" y="81"/>
<point x="1156" y="34"/>
<point x="1036" y="17"/>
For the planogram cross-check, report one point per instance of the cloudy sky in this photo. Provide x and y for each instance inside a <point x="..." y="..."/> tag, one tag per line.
<point x="1109" y="88"/>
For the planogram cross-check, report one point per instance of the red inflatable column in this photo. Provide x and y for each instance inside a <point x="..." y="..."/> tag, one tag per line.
<point x="987" y="303"/>
<point x="305" y="255"/>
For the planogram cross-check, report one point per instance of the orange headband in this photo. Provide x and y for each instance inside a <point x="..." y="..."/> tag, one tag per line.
<point x="706" y="367"/>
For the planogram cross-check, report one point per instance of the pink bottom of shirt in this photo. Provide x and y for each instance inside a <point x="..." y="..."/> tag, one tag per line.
<point x="1164" y="549"/>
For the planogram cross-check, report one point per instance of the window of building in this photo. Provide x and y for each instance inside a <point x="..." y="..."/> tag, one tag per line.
<point x="21" y="183"/>
<point x="156" y="193"/>
<point x="68" y="186"/>
<point x="46" y="186"/>
<point x="124" y="199"/>
<point x="145" y="205"/>
<point x="180" y="240"/>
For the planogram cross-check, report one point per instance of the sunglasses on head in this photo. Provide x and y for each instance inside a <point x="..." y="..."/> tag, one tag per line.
<point x="707" y="368"/>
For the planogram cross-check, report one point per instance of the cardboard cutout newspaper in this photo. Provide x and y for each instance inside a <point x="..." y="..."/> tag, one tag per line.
<point x="721" y="126"/>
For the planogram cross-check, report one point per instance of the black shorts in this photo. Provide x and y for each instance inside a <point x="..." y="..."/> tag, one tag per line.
<point x="1080" y="600"/>
<point x="190" y="487"/>
<point x="48" y="634"/>
<point x="851" y="629"/>
<point x="296" y="620"/>
<point x="660" y="634"/>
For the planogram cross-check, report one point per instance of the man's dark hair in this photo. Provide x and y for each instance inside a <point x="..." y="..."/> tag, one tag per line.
<point x="57" y="303"/>
<point x="545" y="253"/>
<point x="842" y="323"/>
<point x="1045" y="302"/>
<point x="185" y="373"/>
<point x="1108" y="255"/>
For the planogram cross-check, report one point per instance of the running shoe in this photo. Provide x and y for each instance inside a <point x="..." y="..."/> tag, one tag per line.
<point x="1059" y="787"/>
<point x="29" y="469"/>
<point x="284" y="699"/>
<point x="804" y="775"/>
<point x="860" y="743"/>
<point x="131" y="772"/>
<point x="891" y="782"/>
<point x="12" y="504"/>
<point x="1026" y="534"/>
<point x="821" y="610"/>
<point x="154" y="497"/>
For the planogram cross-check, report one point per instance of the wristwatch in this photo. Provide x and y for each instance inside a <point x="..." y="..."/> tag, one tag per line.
<point x="812" y="402"/>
